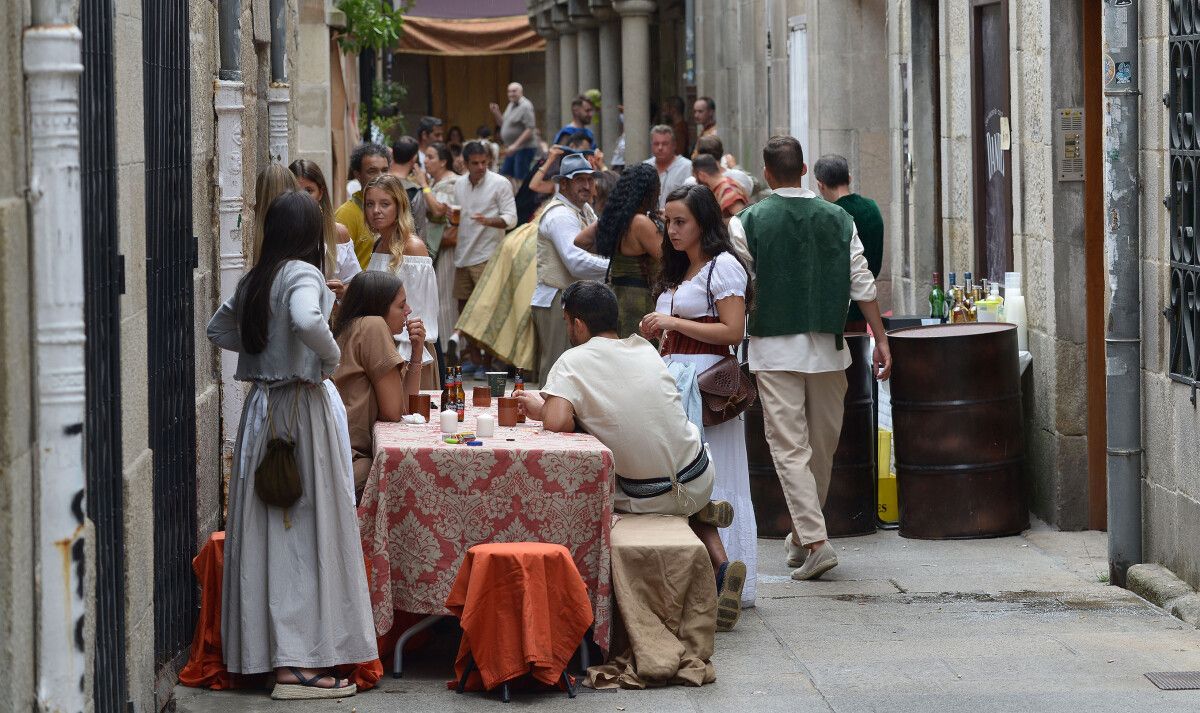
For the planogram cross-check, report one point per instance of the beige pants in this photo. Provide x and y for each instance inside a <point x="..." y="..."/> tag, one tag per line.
<point x="802" y="415"/>
<point x="551" y="335"/>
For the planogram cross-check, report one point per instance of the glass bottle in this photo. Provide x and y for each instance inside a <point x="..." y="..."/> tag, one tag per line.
<point x="937" y="299"/>
<point x="969" y="297"/>
<point x="447" y="403"/>
<point x="958" y="313"/>
<point x="949" y="297"/>
<point x="460" y="397"/>
<point x="519" y="385"/>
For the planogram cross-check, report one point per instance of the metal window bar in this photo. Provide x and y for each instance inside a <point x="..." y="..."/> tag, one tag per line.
<point x="1183" y="307"/>
<point x="170" y="258"/>
<point x="104" y="282"/>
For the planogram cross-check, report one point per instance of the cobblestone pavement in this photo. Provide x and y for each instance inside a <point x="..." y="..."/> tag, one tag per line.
<point x="1012" y="624"/>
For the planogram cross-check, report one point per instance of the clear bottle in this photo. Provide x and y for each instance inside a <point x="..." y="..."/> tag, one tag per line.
<point x="958" y="313"/>
<point x="937" y="299"/>
<point x="1014" y="308"/>
<point x="969" y="297"/>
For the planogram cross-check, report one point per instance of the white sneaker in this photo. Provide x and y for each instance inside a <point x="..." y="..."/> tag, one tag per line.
<point x="795" y="553"/>
<point x="818" y="562"/>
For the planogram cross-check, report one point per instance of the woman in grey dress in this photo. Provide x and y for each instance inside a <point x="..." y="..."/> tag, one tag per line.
<point x="295" y="590"/>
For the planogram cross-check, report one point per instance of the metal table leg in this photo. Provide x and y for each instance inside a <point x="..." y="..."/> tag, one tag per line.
<point x="398" y="653"/>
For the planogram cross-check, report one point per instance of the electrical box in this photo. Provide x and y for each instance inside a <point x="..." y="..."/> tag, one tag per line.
<point x="1069" y="144"/>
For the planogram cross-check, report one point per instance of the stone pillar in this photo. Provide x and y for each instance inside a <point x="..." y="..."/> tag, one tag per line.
<point x="568" y="69"/>
<point x="635" y="71"/>
<point x="610" y="77"/>
<point x="279" y="96"/>
<point x="553" y="108"/>
<point x="589" y="56"/>
<point x="227" y="101"/>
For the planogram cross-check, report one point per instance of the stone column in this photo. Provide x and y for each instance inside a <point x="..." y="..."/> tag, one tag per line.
<point x="568" y="73"/>
<point x="610" y="76"/>
<point x="553" y="107"/>
<point x="635" y="71"/>
<point x="589" y="56"/>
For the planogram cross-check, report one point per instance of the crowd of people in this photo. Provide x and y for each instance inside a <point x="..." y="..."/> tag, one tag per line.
<point x="622" y="290"/>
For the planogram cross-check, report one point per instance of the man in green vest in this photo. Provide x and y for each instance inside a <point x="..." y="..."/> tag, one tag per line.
<point x="809" y="264"/>
<point x="833" y="183"/>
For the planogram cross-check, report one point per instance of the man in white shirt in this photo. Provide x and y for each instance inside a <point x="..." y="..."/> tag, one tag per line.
<point x="486" y="210"/>
<point x="673" y="169"/>
<point x="619" y="390"/>
<point x="559" y="261"/>
<point x="796" y="349"/>
<point x="517" y="128"/>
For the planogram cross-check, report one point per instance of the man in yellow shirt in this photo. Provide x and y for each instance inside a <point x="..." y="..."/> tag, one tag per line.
<point x="367" y="162"/>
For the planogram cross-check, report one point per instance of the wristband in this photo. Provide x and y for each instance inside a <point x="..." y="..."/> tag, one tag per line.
<point x="427" y="189"/>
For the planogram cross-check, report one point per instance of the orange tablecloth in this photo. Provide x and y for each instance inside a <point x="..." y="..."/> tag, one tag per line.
<point x="206" y="667"/>
<point x="523" y="609"/>
<point x="426" y="503"/>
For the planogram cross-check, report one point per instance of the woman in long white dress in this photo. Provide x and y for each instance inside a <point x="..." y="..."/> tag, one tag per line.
<point x="437" y="182"/>
<point x="294" y="598"/>
<point x="400" y="251"/>
<point x="700" y="314"/>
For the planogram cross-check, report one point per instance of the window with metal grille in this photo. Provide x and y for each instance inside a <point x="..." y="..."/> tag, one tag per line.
<point x="1183" y="310"/>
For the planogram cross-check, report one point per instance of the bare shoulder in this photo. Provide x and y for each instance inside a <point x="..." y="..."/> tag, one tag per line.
<point x="415" y="246"/>
<point x="343" y="233"/>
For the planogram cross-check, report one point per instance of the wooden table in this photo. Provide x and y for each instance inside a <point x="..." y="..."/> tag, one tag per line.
<point x="426" y="502"/>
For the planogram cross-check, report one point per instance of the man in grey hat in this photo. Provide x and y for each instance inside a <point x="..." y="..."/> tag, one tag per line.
<point x="559" y="261"/>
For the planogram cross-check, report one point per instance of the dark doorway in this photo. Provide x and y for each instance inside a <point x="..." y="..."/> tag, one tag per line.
<point x="170" y="258"/>
<point x="104" y="278"/>
<point x="991" y="136"/>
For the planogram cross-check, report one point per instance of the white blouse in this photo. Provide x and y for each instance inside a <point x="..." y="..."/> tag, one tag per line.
<point x="729" y="279"/>
<point x="347" y="262"/>
<point x="420" y="287"/>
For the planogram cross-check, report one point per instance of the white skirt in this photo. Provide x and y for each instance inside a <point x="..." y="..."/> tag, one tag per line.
<point x="727" y="445"/>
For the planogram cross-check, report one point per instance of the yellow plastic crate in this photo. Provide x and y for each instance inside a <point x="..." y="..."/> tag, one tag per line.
<point x="889" y="510"/>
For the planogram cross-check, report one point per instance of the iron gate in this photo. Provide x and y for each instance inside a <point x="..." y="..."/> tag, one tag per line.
<point x="170" y="257"/>
<point x="1183" y="311"/>
<point x="103" y="282"/>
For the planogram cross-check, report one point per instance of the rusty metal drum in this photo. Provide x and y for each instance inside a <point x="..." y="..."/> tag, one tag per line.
<point x="850" y="506"/>
<point x="958" y="436"/>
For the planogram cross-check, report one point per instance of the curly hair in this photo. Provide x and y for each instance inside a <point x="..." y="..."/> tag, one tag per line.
<point x="714" y="240"/>
<point x="636" y="192"/>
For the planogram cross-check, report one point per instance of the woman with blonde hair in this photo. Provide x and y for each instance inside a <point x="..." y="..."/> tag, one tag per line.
<point x="400" y="251"/>
<point x="311" y="180"/>
<point x="272" y="182"/>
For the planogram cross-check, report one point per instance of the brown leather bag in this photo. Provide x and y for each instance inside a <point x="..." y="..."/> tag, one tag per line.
<point x="725" y="391"/>
<point x="277" y="477"/>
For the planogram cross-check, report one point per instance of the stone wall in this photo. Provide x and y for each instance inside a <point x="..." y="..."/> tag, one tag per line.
<point x="1170" y="423"/>
<point x="16" y="447"/>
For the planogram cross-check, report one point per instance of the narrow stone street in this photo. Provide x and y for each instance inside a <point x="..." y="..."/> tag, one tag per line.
<point x="1013" y="624"/>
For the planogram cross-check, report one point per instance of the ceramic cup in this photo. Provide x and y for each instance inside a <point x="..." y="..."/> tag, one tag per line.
<point x="506" y="411"/>
<point x="497" y="382"/>
<point x="485" y="425"/>
<point x="481" y="397"/>
<point x="420" y="403"/>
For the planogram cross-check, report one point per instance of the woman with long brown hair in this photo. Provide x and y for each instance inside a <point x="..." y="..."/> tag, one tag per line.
<point x="311" y="180"/>
<point x="399" y="250"/>
<point x="700" y="315"/>
<point x="294" y="598"/>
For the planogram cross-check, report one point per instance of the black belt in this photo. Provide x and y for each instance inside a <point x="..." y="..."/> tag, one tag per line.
<point x="653" y="487"/>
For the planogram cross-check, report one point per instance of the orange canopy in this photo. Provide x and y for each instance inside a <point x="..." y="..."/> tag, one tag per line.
<point x="469" y="37"/>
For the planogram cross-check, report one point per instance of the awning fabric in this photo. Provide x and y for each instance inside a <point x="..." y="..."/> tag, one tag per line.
<point x="465" y="38"/>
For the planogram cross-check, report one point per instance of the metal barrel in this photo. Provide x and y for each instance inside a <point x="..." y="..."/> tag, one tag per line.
<point x="850" y="506"/>
<point x="958" y="437"/>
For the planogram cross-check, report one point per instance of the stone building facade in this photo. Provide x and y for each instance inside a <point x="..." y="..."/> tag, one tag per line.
<point x="148" y="661"/>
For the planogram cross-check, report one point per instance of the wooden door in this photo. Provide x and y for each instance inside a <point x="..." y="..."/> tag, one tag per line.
<point x="992" y="139"/>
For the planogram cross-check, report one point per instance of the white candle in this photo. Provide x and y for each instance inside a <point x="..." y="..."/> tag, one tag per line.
<point x="485" y="425"/>
<point x="449" y="421"/>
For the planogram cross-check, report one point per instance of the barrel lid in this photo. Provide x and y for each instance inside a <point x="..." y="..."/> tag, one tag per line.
<point x="940" y="331"/>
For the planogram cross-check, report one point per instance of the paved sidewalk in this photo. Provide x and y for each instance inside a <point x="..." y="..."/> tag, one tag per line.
<point x="1014" y="624"/>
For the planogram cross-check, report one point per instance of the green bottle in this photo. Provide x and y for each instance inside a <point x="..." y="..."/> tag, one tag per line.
<point x="937" y="299"/>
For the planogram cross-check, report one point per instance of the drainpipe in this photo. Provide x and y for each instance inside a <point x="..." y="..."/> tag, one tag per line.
<point x="1122" y="253"/>
<point x="279" y="93"/>
<point x="52" y="49"/>
<point x="228" y="104"/>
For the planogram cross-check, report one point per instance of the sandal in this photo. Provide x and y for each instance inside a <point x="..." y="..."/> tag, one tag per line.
<point x="307" y="688"/>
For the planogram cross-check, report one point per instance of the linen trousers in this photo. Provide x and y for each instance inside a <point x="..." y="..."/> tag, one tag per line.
<point x="802" y="419"/>
<point x="551" y="335"/>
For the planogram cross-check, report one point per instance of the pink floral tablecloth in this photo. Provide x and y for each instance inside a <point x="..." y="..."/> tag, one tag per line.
<point x="426" y="502"/>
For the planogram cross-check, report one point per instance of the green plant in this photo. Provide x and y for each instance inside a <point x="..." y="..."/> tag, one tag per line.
<point x="371" y="24"/>
<point x="385" y="112"/>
